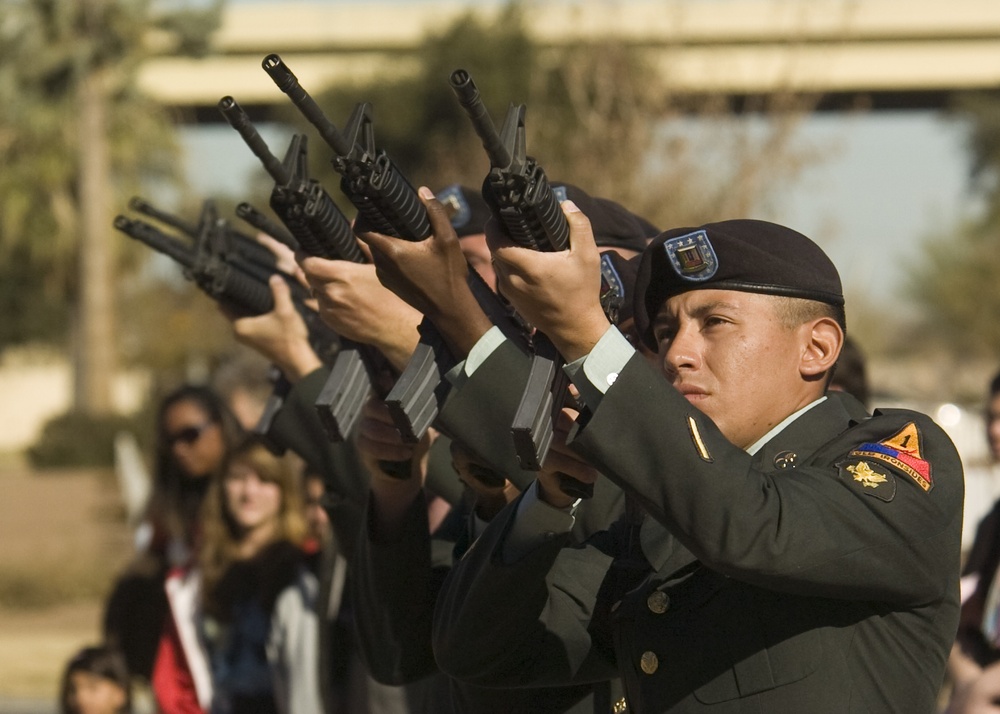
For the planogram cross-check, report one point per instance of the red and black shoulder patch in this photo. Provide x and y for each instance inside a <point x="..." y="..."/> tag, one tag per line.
<point x="902" y="452"/>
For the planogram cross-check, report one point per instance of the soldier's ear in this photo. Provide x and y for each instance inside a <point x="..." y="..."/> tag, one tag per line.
<point x="822" y="341"/>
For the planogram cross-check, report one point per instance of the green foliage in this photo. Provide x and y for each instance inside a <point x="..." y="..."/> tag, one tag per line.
<point x="416" y="116"/>
<point x="953" y="280"/>
<point x="77" y="440"/>
<point x="983" y="142"/>
<point x="31" y="300"/>
<point x="46" y="47"/>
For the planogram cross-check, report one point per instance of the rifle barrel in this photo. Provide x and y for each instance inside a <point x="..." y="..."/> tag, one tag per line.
<point x="289" y="84"/>
<point x="468" y="96"/>
<point x="239" y="120"/>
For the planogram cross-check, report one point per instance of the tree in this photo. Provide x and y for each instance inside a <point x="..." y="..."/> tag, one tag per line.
<point x="73" y="130"/>
<point x="954" y="277"/>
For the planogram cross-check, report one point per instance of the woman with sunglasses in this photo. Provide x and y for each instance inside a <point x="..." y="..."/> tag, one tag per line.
<point x="194" y="431"/>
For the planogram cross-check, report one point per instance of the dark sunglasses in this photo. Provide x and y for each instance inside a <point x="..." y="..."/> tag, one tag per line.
<point x="188" y="435"/>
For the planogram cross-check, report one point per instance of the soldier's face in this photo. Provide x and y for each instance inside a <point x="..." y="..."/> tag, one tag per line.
<point x="732" y="357"/>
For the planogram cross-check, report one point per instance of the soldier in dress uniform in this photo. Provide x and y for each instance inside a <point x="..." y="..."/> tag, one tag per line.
<point x="782" y="550"/>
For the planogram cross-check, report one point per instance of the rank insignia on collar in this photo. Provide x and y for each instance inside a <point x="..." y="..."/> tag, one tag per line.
<point x="873" y="483"/>
<point x="699" y="443"/>
<point x="692" y="256"/>
<point x="901" y="451"/>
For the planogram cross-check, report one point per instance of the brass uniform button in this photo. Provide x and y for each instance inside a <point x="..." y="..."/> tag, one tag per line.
<point x="620" y="707"/>
<point x="649" y="663"/>
<point x="658" y="602"/>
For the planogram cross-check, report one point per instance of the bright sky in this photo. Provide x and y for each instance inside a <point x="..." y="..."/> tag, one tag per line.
<point x="893" y="179"/>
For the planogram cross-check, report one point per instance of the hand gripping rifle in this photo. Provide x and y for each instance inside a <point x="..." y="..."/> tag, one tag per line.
<point x="388" y="203"/>
<point x="522" y="201"/>
<point x="320" y="229"/>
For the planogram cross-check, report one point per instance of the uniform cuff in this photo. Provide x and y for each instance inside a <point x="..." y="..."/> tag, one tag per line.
<point x="479" y="353"/>
<point x="535" y="522"/>
<point x="594" y="373"/>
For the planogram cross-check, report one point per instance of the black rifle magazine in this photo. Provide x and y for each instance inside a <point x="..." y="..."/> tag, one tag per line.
<point x="416" y="397"/>
<point x="343" y="395"/>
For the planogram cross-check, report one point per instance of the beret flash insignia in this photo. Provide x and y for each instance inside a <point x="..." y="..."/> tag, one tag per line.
<point x="692" y="256"/>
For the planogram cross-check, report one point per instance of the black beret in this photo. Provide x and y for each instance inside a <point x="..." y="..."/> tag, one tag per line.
<point x="614" y="225"/>
<point x="745" y="255"/>
<point x="466" y="209"/>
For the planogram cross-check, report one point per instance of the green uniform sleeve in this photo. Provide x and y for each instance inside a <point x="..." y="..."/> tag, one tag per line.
<point x="813" y="529"/>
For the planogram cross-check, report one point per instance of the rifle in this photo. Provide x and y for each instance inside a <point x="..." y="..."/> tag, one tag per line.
<point x="320" y="229"/>
<point x="227" y="278"/>
<point x="225" y="275"/>
<point x="388" y="203"/>
<point x="250" y="254"/>
<point x="263" y="223"/>
<point x="521" y="199"/>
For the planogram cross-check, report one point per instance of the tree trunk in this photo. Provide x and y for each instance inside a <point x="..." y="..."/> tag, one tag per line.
<point x="95" y="352"/>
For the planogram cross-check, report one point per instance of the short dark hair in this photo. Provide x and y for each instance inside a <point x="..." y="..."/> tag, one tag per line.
<point x="795" y="311"/>
<point x="103" y="661"/>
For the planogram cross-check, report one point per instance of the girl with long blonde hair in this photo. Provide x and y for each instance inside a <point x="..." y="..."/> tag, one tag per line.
<point x="257" y="620"/>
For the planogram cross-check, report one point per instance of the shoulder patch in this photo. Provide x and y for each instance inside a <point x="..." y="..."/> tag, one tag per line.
<point x="902" y="452"/>
<point x="870" y="480"/>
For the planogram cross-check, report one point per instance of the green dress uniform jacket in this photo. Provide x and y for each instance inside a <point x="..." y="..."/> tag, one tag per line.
<point x="395" y="588"/>
<point x="479" y="415"/>
<point x="396" y="584"/>
<point x="819" y="575"/>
